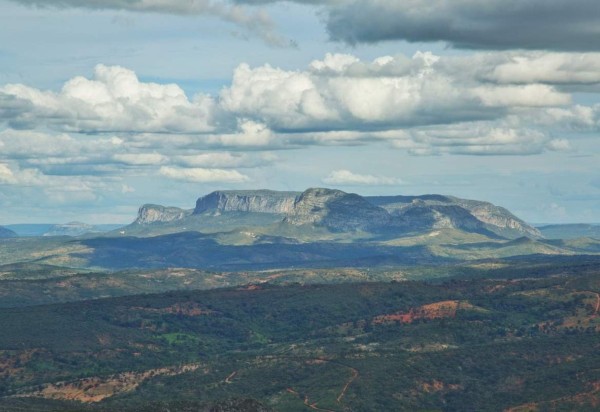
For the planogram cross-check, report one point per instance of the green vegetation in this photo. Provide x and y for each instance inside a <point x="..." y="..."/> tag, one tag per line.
<point x="494" y="335"/>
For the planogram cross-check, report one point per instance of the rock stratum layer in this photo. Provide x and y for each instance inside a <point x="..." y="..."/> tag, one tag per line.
<point x="254" y="201"/>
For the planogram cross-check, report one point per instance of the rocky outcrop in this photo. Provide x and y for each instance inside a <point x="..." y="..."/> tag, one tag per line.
<point x="255" y="201"/>
<point x="336" y="210"/>
<point x="6" y="233"/>
<point x="160" y="214"/>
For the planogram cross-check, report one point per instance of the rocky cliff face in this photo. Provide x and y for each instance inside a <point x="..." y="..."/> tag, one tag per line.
<point x="156" y="213"/>
<point x="336" y="210"/>
<point x="5" y="233"/>
<point x="256" y="201"/>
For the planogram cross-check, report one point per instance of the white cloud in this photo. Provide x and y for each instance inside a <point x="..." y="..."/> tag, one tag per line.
<point x="559" y="145"/>
<point x="202" y="175"/>
<point x="559" y="68"/>
<point x="281" y="98"/>
<point x="342" y="92"/>
<point x="56" y="189"/>
<point x="531" y="95"/>
<point x="224" y="160"/>
<point x="486" y="103"/>
<point x="249" y="134"/>
<point x="480" y="139"/>
<point x="6" y="175"/>
<point x="348" y="178"/>
<point x="113" y="101"/>
<point x="125" y="188"/>
<point x="139" y="159"/>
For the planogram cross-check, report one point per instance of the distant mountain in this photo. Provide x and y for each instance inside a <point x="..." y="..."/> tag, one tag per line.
<point x="76" y="229"/>
<point x="30" y="229"/>
<point x="570" y="231"/>
<point x="4" y="232"/>
<point x="291" y="214"/>
<point x="66" y="229"/>
<point x="69" y="229"/>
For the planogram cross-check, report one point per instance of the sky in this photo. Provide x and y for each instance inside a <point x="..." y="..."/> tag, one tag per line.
<point x="109" y="104"/>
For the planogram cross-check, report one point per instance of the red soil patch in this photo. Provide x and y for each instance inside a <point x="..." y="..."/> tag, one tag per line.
<point x="438" y="310"/>
<point x="95" y="389"/>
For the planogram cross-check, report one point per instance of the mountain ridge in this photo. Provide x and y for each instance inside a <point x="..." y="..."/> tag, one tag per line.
<point x="336" y="211"/>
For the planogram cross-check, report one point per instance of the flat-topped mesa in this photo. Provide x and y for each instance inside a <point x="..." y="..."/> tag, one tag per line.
<point x="156" y="213"/>
<point x="339" y="211"/>
<point x="336" y="210"/>
<point x="253" y="201"/>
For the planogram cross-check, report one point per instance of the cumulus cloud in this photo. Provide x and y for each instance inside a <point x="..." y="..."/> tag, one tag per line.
<point x="202" y="175"/>
<point x="257" y="22"/>
<point x="249" y="134"/>
<point x="480" y="139"/>
<point x="484" y="103"/>
<point x="576" y="118"/>
<point x="55" y="189"/>
<point x="341" y="92"/>
<point x="139" y="159"/>
<point x="54" y="148"/>
<point x="348" y="178"/>
<point x="225" y="160"/>
<point x="113" y="101"/>
<point x="572" y="25"/>
<point x="552" y="68"/>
